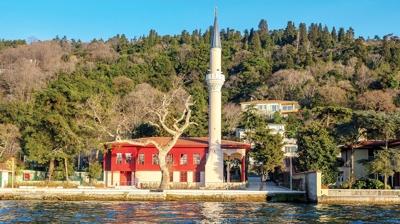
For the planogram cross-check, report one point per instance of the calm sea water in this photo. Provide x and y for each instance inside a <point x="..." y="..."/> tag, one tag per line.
<point x="191" y="212"/>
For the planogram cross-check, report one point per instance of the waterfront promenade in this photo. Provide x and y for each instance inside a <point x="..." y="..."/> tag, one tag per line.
<point x="252" y="193"/>
<point x="127" y="194"/>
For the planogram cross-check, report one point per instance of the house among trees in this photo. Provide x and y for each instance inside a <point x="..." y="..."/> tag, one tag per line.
<point x="135" y="163"/>
<point x="270" y="110"/>
<point x="270" y="107"/>
<point x="357" y="162"/>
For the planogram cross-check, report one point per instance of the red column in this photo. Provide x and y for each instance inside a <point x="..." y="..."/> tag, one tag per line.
<point x="243" y="177"/>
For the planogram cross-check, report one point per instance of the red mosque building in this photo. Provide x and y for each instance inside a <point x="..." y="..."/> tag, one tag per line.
<point x="132" y="163"/>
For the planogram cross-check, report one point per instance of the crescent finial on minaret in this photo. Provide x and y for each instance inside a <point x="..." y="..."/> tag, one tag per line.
<point x="215" y="38"/>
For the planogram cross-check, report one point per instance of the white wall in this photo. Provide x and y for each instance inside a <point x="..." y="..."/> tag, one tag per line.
<point x="149" y="176"/>
<point x="4" y="179"/>
<point x="177" y="176"/>
<point x="116" y="180"/>
<point x="189" y="176"/>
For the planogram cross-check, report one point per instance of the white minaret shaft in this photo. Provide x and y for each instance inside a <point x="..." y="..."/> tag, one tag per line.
<point x="215" y="161"/>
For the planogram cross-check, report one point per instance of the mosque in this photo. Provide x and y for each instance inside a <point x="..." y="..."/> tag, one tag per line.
<point x="194" y="161"/>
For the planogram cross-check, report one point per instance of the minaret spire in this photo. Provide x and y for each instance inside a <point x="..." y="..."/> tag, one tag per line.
<point x="215" y="39"/>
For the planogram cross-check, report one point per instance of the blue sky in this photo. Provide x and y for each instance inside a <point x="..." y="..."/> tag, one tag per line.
<point x="88" y="19"/>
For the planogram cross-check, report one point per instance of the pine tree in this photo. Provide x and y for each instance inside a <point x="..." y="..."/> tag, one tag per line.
<point x="313" y="34"/>
<point x="255" y="42"/>
<point x="341" y="34"/>
<point x="264" y="33"/>
<point x="290" y="33"/>
<point x="334" y="35"/>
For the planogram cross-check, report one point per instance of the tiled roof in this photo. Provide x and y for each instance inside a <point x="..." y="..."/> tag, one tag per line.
<point x="270" y="101"/>
<point x="182" y="142"/>
<point x="371" y="144"/>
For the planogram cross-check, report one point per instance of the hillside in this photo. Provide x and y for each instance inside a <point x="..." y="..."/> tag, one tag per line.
<point x="46" y="87"/>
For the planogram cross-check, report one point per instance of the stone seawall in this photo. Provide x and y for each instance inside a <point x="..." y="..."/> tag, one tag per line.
<point x="359" y="196"/>
<point x="147" y="195"/>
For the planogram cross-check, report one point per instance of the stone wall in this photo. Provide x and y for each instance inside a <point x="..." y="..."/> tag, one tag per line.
<point x="367" y="196"/>
<point x="310" y="182"/>
<point x="195" y="185"/>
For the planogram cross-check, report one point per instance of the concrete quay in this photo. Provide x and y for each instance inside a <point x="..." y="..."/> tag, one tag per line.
<point x="130" y="194"/>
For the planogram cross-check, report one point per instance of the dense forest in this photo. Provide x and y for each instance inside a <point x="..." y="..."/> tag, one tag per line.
<point x="62" y="97"/>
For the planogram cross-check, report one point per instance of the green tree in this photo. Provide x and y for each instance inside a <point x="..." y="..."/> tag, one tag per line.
<point x="331" y="115"/>
<point x="267" y="148"/>
<point x="386" y="162"/>
<point x="251" y="121"/>
<point x="317" y="151"/>
<point x="95" y="171"/>
<point x="264" y="33"/>
<point x="267" y="151"/>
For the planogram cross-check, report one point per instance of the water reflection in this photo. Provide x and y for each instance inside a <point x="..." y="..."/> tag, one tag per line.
<point x="191" y="212"/>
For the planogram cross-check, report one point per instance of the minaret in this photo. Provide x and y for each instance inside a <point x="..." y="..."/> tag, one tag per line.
<point x="215" y="161"/>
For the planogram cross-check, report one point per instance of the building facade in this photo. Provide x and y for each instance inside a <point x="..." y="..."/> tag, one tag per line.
<point x="270" y="107"/>
<point x="354" y="160"/>
<point x="132" y="163"/>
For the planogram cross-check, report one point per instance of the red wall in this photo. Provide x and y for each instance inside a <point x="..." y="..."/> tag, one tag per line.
<point x="110" y="159"/>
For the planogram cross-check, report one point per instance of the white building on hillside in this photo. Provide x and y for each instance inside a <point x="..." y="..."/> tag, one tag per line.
<point x="290" y="144"/>
<point x="270" y="107"/>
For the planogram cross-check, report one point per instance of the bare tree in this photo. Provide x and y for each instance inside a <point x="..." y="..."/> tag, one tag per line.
<point x="27" y="68"/>
<point x="175" y="129"/>
<point x="378" y="100"/>
<point x="231" y="116"/>
<point x="108" y="117"/>
<point x="168" y="114"/>
<point x="9" y="140"/>
<point x="98" y="50"/>
<point x="332" y="95"/>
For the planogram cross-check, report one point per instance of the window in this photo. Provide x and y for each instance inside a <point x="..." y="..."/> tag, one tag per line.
<point x="287" y="107"/>
<point x="290" y="149"/>
<point x="155" y="159"/>
<point x="171" y="176"/>
<point x="183" y="160"/>
<point x="128" y="158"/>
<point x="274" y="107"/>
<point x="169" y="159"/>
<point x="183" y="176"/>
<point x="196" y="159"/>
<point x="141" y="159"/>
<point x="119" y="158"/>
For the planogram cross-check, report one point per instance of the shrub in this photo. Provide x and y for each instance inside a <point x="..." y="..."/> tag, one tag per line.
<point x="375" y="184"/>
<point x="368" y="184"/>
<point x="95" y="170"/>
<point x="360" y="184"/>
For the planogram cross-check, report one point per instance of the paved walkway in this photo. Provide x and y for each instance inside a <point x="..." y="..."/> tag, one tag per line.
<point x="254" y="185"/>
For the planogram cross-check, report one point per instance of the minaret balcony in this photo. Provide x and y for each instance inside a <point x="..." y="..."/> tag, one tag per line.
<point x="217" y="77"/>
<point x="215" y="81"/>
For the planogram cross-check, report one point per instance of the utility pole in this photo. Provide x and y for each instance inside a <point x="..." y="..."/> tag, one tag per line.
<point x="291" y="173"/>
<point x="12" y="171"/>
